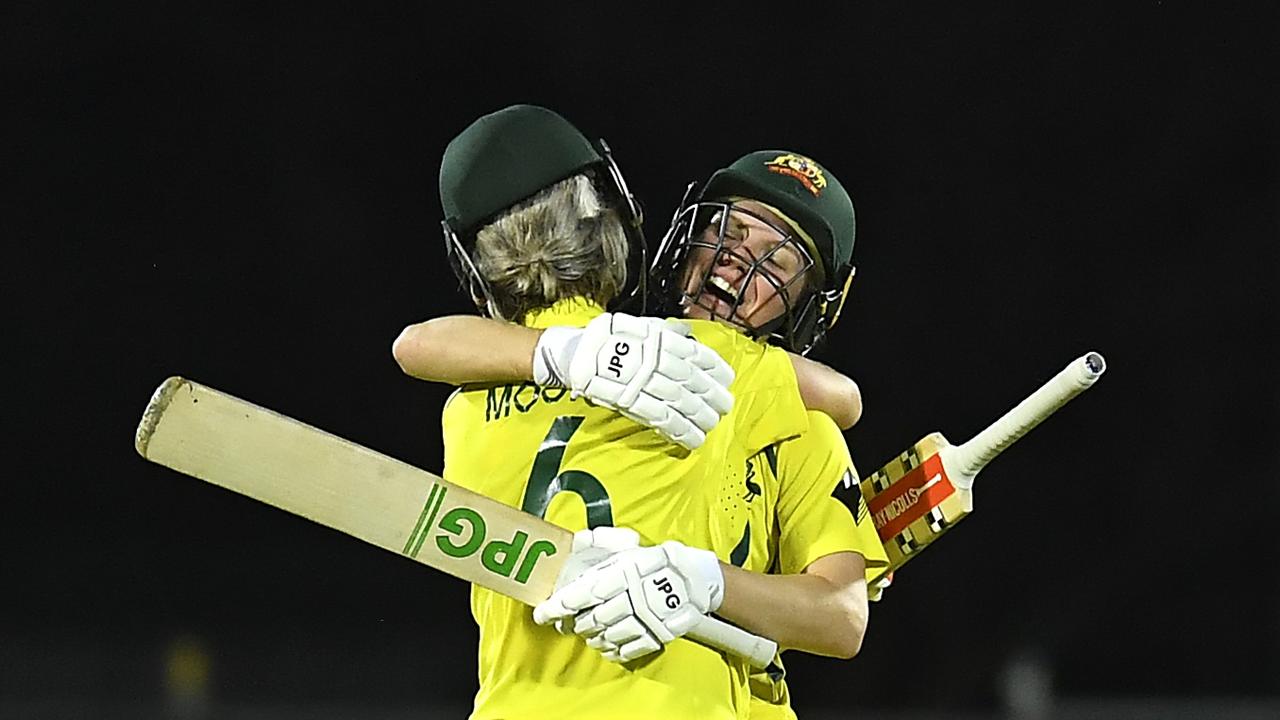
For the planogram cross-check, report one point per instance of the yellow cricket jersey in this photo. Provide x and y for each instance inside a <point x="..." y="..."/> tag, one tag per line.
<point x="794" y="518"/>
<point x="578" y="465"/>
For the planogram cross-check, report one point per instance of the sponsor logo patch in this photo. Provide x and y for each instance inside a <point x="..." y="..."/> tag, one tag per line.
<point x="910" y="498"/>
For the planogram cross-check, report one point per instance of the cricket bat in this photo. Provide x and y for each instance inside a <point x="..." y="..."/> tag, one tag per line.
<point x="925" y="491"/>
<point x="280" y="461"/>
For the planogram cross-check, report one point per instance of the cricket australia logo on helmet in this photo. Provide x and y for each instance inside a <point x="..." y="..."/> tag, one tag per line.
<point x="802" y="169"/>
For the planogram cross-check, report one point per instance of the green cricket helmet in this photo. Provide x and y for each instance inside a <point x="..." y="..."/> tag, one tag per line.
<point x="818" y="223"/>
<point x="509" y="156"/>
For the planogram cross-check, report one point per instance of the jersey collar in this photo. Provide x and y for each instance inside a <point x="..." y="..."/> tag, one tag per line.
<point x="574" y="312"/>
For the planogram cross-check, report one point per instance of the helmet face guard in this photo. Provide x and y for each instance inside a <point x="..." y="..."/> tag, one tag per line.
<point x="465" y="270"/>
<point x="703" y="262"/>
<point x="634" y="297"/>
<point x="459" y="245"/>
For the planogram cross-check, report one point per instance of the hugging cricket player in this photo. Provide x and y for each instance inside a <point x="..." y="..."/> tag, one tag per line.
<point x="755" y="219"/>
<point x="539" y="249"/>
<point x="738" y="256"/>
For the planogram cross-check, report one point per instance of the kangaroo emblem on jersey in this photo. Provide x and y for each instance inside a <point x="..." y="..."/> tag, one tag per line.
<point x="852" y="491"/>
<point x="753" y="489"/>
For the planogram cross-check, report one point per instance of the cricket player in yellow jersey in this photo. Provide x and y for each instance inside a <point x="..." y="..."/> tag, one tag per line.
<point x="774" y="225"/>
<point x="539" y="241"/>
<point x="581" y="466"/>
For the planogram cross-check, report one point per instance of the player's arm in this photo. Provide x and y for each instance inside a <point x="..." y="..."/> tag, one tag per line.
<point x="640" y="599"/>
<point x="818" y="533"/>
<point x="828" y="391"/>
<point x="646" y="369"/>
<point x="822" y="610"/>
<point x="461" y="349"/>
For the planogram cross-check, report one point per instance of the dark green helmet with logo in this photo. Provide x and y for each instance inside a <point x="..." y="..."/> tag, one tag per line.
<point x="819" y="220"/>
<point x="803" y="190"/>
<point x="506" y="157"/>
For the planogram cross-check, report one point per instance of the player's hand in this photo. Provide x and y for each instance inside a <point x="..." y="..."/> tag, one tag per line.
<point x="590" y="548"/>
<point x="639" y="599"/>
<point x="647" y="369"/>
<point x="875" y="591"/>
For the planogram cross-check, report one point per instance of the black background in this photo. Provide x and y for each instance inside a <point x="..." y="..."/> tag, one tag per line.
<point x="246" y="196"/>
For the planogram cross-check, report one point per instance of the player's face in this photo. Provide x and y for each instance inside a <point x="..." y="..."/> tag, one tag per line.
<point x="753" y="277"/>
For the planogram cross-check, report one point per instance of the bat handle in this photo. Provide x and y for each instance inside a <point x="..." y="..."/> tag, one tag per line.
<point x="963" y="462"/>
<point x="716" y="633"/>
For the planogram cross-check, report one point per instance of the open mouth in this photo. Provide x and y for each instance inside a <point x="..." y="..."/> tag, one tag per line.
<point x="720" y="299"/>
<point x="720" y="288"/>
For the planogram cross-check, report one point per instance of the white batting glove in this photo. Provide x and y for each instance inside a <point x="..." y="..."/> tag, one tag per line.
<point x="639" y="599"/>
<point x="590" y="548"/>
<point x="875" y="591"/>
<point x="646" y="369"/>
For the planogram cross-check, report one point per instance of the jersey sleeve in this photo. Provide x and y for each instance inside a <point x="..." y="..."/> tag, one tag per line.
<point x="766" y="396"/>
<point x="453" y="426"/>
<point x="812" y="522"/>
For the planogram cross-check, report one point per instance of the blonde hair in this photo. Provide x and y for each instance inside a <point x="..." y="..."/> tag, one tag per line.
<point x="562" y="243"/>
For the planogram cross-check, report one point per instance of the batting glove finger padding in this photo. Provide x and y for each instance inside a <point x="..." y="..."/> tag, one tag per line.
<point x="625" y="640"/>
<point x="590" y="548"/>
<point x="589" y="589"/>
<point x="669" y="423"/>
<point x="711" y="387"/>
<point x="685" y="404"/>
<point x="597" y="642"/>
<point x="684" y="346"/>
<point x="607" y="538"/>
<point x="638" y="599"/>
<point x="635" y="649"/>
<point x="609" y="612"/>
<point x="625" y="630"/>
<point x="647" y="369"/>
<point x="620" y="654"/>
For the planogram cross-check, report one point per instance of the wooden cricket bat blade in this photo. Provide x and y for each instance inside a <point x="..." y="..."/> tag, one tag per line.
<point x="293" y="466"/>
<point x="280" y="461"/>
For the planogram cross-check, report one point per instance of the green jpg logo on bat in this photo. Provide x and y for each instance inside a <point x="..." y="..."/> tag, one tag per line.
<point x="462" y="534"/>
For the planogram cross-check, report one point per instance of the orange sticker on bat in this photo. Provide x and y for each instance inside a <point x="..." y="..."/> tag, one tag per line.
<point x="908" y="499"/>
